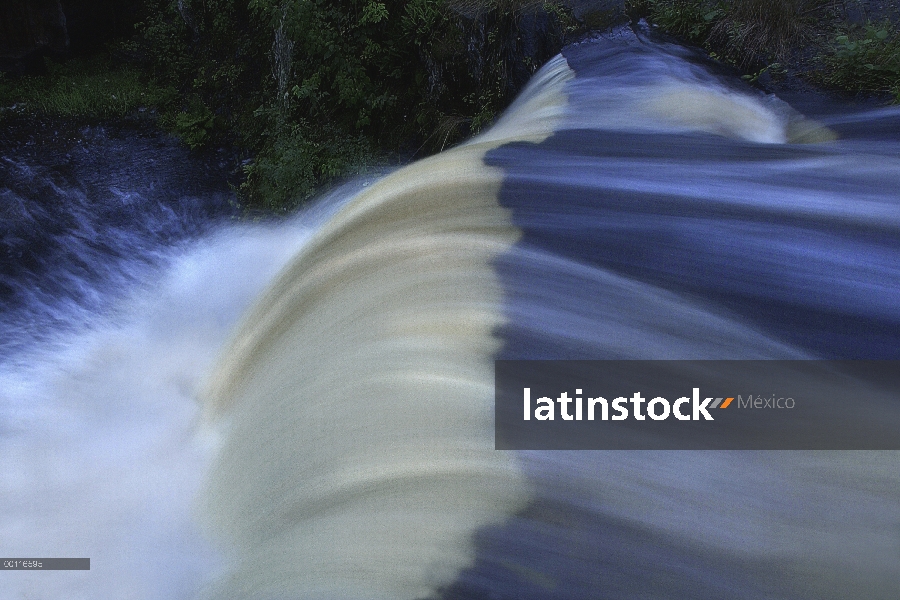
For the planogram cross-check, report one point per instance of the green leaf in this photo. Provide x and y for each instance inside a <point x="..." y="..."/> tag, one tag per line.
<point x="374" y="12"/>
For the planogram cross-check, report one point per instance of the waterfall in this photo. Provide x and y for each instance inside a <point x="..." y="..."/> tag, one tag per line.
<point x="305" y="409"/>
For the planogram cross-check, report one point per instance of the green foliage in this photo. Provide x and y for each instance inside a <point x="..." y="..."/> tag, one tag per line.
<point x="345" y="77"/>
<point x="289" y="170"/>
<point x="743" y="32"/>
<point x="692" y="20"/>
<point x="309" y="87"/>
<point x="84" y="88"/>
<point x="866" y="59"/>
<point x="344" y="63"/>
<point x="765" y="36"/>
<point x="421" y="17"/>
<point x="195" y="124"/>
<point x="211" y="52"/>
<point x="162" y="43"/>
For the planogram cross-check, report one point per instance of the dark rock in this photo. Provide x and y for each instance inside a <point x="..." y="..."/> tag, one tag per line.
<point x="33" y="29"/>
<point x="93" y="23"/>
<point x="598" y="15"/>
<point x="30" y="29"/>
<point x="858" y="12"/>
<point x="583" y="8"/>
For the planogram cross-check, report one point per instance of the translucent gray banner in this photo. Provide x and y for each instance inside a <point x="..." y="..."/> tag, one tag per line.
<point x="45" y="564"/>
<point x="714" y="405"/>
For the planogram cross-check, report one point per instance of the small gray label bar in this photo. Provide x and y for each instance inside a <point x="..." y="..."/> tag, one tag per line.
<point x="45" y="564"/>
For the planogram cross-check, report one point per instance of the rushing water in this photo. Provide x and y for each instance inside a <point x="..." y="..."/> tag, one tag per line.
<point x="304" y="410"/>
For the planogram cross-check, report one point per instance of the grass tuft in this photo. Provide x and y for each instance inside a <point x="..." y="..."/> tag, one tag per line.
<point x="809" y="38"/>
<point x="759" y="31"/>
<point x="81" y="88"/>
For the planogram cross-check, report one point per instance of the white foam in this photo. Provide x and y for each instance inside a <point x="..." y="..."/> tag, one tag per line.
<point x="100" y="445"/>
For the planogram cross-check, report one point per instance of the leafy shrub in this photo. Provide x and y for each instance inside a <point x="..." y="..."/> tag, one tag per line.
<point x="211" y="52"/>
<point x="866" y="59"/>
<point x="288" y="171"/>
<point x="775" y="36"/>
<point x="345" y="63"/>
<point x="691" y="20"/>
<point x="313" y="85"/>
<point x="195" y="124"/>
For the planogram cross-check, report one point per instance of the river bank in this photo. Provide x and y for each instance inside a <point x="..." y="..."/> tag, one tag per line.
<point x="847" y="49"/>
<point x="298" y="99"/>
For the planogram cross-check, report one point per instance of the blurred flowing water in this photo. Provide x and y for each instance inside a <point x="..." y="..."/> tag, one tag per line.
<point x="207" y="408"/>
<point x="87" y="212"/>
